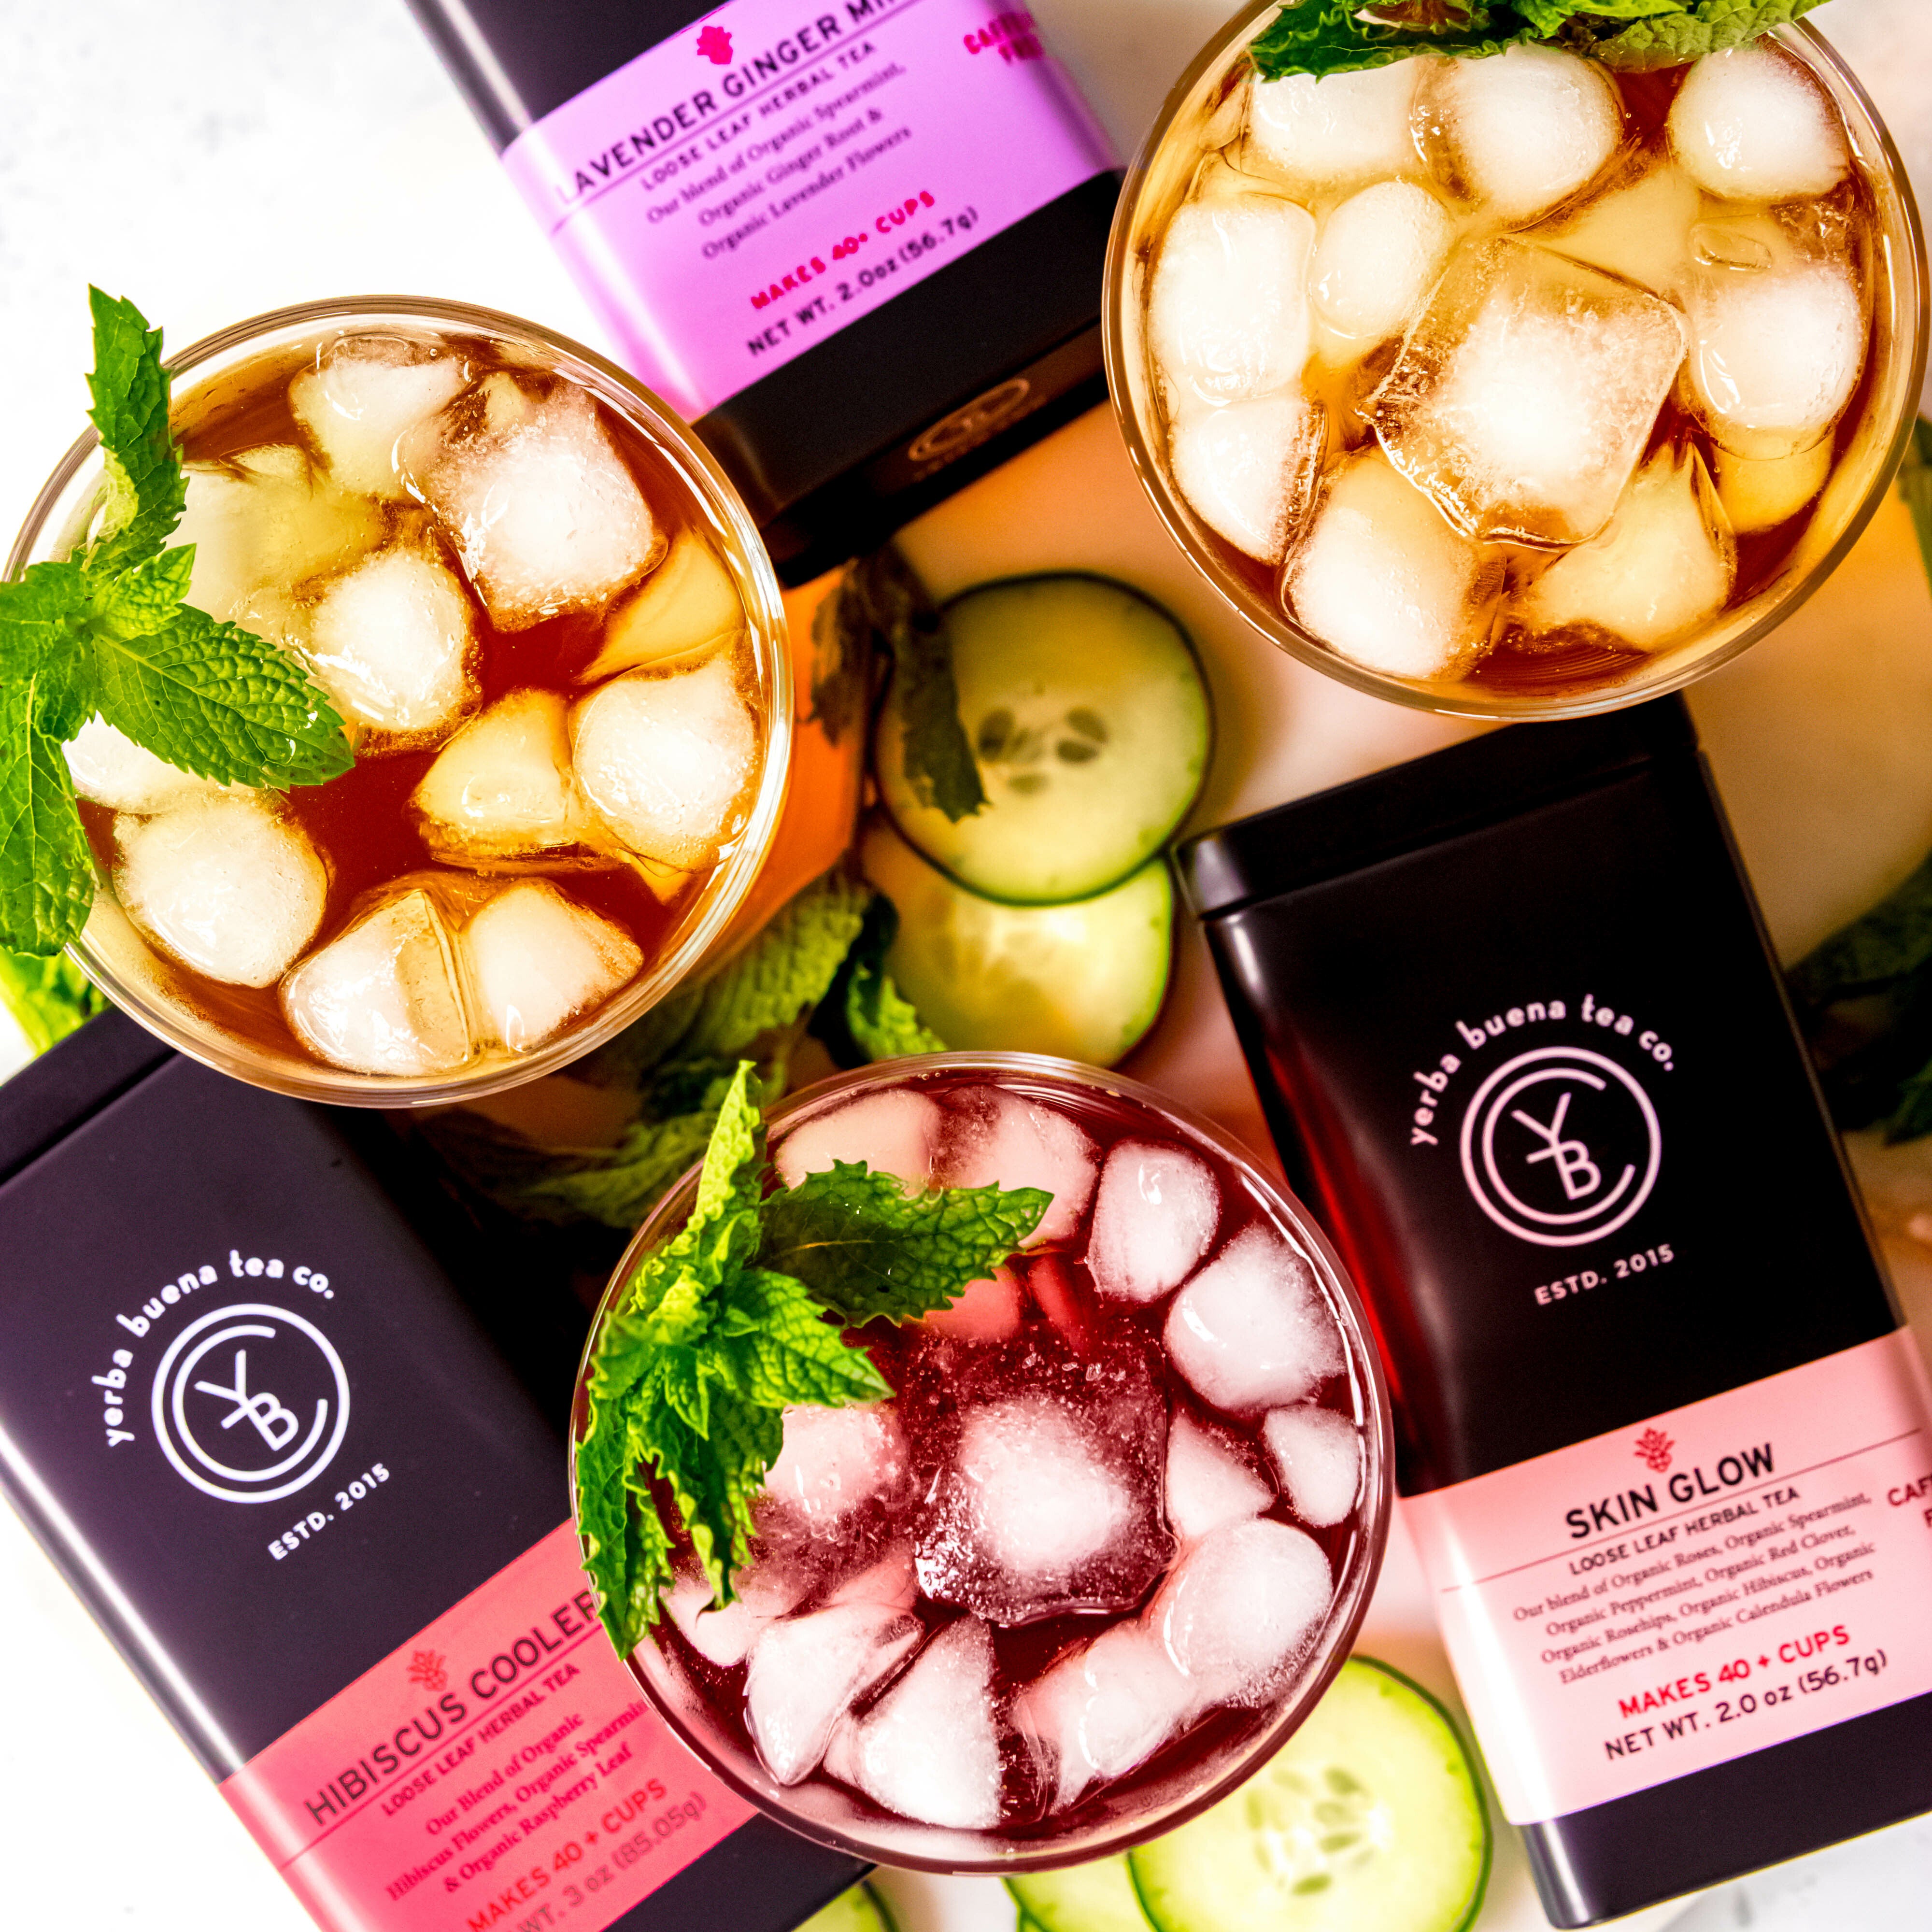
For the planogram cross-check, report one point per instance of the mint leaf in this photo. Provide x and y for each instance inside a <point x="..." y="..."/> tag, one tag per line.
<point x="146" y="597"/>
<point x="48" y="998"/>
<point x="868" y="1249"/>
<point x="146" y="492"/>
<point x="1671" y="35"/>
<point x="883" y="1023"/>
<point x="46" y="869"/>
<point x="217" y="701"/>
<point x="864" y="1017"/>
<point x="735" y="1319"/>
<point x="619" y="1186"/>
<point x="907" y="625"/>
<point x="680" y="1058"/>
<point x="788" y="1352"/>
<point x="844" y="661"/>
<point x="1324" y="37"/>
<point x="106" y="631"/>
<point x="787" y="968"/>
<point x="1893" y="939"/>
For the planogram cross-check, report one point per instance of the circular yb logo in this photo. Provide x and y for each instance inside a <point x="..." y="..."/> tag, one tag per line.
<point x="251" y="1402"/>
<point x="1560" y="1146"/>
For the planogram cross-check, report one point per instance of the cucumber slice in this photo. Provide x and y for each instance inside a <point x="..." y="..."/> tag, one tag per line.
<point x="861" y="1910"/>
<point x="1085" y="707"/>
<point x="1098" y="1897"/>
<point x="1084" y="981"/>
<point x="1370" y="1819"/>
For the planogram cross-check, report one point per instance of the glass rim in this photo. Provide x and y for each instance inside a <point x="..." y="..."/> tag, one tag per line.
<point x="1353" y="1589"/>
<point x="1910" y="274"/>
<point x="752" y="570"/>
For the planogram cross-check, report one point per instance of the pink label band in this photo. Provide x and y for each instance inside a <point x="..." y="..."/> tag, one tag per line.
<point x="1722" y="1578"/>
<point x="740" y="192"/>
<point x="501" y="1763"/>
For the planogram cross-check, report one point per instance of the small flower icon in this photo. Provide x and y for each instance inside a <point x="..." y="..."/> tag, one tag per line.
<point x="426" y="1668"/>
<point x="1653" y="1448"/>
<point x="715" y="44"/>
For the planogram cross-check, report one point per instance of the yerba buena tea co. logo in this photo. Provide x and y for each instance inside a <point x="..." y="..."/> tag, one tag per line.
<point x="1560" y="1145"/>
<point x="250" y="1403"/>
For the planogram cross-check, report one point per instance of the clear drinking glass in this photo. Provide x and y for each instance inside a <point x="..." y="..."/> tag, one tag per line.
<point x="1881" y="414"/>
<point x="1221" y="1750"/>
<point x="149" y="989"/>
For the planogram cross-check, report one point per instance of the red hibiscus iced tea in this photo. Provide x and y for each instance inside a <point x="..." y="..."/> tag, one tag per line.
<point x="1113" y="1533"/>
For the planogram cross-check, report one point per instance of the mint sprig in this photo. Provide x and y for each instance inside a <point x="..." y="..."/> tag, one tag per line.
<point x="1322" y="37"/>
<point x="107" y="630"/>
<point x="738" y="1316"/>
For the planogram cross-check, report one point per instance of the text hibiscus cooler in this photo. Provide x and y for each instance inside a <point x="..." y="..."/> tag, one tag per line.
<point x="249" y="1418"/>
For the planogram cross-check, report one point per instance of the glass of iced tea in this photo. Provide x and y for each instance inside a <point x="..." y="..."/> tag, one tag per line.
<point x="557" y="644"/>
<point x="1516" y="386"/>
<point x="1114" y="1533"/>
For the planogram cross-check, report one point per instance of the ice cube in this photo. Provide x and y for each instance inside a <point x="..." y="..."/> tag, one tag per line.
<point x="1104" y="1709"/>
<point x="1248" y="468"/>
<point x="987" y="1311"/>
<point x="1003" y="1140"/>
<point x="1382" y="578"/>
<point x="806" y="1672"/>
<point x="1319" y="1455"/>
<point x="1239" y="1606"/>
<point x="1661" y="569"/>
<point x="385" y="995"/>
<point x="1228" y="314"/>
<point x="1379" y="254"/>
<point x="1751" y="124"/>
<point x="668" y="760"/>
<point x="1760" y="495"/>
<point x="110" y="768"/>
<point x="929" y="1749"/>
<point x="1775" y="352"/>
<point x="366" y="393"/>
<point x="834" y="1461"/>
<point x="538" y="959"/>
<point x="1209" y="1483"/>
<point x="543" y="515"/>
<point x="1040" y="1501"/>
<point x="1638" y="228"/>
<point x="1251" y="1330"/>
<point x="768" y="1589"/>
<point x="687" y="604"/>
<point x="1158" y="1208"/>
<point x="893" y="1133"/>
<point x="1525" y="392"/>
<point x="722" y="1637"/>
<point x="1518" y="132"/>
<point x="891" y="1581"/>
<point x="267" y="519"/>
<point x="391" y="642"/>
<point x="1040" y="1472"/>
<point x="1334" y="130"/>
<point x="223" y="883"/>
<point x="501" y="788"/>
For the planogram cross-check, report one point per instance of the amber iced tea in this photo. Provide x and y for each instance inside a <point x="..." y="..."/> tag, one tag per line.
<point x="1516" y="384"/>
<point x="1112" y="1534"/>
<point x="539" y="615"/>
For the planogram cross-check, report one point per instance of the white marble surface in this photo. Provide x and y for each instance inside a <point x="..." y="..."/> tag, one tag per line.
<point x="213" y="158"/>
